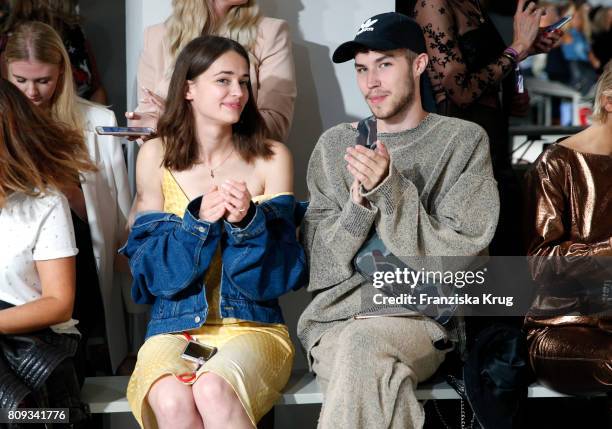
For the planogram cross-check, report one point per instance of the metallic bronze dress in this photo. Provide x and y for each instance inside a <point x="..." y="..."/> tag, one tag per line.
<point x="569" y="220"/>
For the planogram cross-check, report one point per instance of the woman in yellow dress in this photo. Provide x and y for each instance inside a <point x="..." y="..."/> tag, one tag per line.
<point x="214" y="241"/>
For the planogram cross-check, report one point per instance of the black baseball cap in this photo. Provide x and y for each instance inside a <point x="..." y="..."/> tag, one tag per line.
<point x="383" y="32"/>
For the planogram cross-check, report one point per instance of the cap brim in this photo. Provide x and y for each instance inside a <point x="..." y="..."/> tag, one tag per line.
<point x="346" y="51"/>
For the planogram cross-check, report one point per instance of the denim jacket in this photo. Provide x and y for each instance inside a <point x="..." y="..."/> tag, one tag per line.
<point x="260" y="262"/>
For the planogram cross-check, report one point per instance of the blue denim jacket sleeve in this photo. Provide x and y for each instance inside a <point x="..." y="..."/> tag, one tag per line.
<point x="168" y="254"/>
<point x="264" y="260"/>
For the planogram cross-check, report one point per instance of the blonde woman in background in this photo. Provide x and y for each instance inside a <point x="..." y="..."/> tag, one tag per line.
<point x="64" y="17"/>
<point x="266" y="39"/>
<point x="38" y="64"/>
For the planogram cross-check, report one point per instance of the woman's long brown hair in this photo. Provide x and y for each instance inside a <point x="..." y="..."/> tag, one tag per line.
<point x="176" y="127"/>
<point x="36" y="152"/>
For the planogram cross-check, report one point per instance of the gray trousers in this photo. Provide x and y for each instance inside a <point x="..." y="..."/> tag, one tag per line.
<point x="368" y="370"/>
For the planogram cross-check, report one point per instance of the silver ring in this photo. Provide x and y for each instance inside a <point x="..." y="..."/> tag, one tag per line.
<point x="241" y="210"/>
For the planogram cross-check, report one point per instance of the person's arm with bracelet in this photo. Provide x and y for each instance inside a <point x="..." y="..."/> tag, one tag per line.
<point x="462" y="86"/>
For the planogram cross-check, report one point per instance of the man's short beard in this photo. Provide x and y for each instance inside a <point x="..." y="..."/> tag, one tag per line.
<point x="402" y="104"/>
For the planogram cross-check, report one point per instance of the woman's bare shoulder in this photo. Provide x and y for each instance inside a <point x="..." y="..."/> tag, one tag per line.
<point x="152" y="149"/>
<point x="151" y="155"/>
<point x="277" y="170"/>
<point x="281" y="155"/>
<point x="279" y="149"/>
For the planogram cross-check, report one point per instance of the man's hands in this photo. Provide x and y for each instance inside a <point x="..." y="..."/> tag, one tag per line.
<point x="368" y="167"/>
<point x="231" y="202"/>
<point x="356" y="196"/>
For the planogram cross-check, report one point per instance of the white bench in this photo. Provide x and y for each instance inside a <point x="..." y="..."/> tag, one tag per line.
<point x="107" y="394"/>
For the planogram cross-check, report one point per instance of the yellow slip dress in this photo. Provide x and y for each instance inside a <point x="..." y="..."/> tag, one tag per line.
<point x="254" y="358"/>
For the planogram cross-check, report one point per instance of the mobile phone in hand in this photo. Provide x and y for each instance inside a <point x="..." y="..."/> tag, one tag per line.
<point x="125" y="131"/>
<point x="557" y="25"/>
<point x="367" y="133"/>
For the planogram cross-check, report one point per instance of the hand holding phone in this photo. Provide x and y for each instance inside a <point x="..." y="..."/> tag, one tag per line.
<point x="559" y="24"/>
<point x="125" y="131"/>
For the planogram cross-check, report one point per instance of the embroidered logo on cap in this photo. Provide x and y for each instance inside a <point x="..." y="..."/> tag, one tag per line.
<point x="367" y="26"/>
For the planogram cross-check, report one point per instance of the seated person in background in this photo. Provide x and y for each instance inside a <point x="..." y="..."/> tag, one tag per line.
<point x="570" y="243"/>
<point x="37" y="63"/>
<point x="576" y="48"/>
<point x="427" y="190"/>
<point x="214" y="275"/>
<point x="38" y="336"/>
<point x="266" y="39"/>
<point x="62" y="15"/>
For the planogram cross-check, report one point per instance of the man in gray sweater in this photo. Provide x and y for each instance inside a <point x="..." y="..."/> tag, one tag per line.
<point x="427" y="189"/>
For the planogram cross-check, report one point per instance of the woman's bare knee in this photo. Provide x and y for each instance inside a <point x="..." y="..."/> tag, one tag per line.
<point x="217" y="400"/>
<point x="173" y="404"/>
<point x="211" y="389"/>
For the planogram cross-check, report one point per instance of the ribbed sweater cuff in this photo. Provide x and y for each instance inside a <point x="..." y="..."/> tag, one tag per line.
<point x="386" y="194"/>
<point x="356" y="219"/>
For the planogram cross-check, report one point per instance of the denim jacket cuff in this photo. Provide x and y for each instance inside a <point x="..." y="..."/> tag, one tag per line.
<point x="255" y="227"/>
<point x="194" y="225"/>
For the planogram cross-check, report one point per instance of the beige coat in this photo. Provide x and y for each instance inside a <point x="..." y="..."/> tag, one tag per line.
<point x="272" y="74"/>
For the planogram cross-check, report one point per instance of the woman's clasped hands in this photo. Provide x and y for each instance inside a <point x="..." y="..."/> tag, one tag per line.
<point x="231" y="201"/>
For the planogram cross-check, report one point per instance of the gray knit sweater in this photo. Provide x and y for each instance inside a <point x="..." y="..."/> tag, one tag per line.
<point x="439" y="199"/>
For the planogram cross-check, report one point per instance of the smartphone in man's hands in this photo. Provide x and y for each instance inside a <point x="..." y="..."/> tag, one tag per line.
<point x="367" y="133"/>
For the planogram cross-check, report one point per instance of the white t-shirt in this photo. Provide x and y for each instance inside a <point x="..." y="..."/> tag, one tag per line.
<point x="33" y="229"/>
